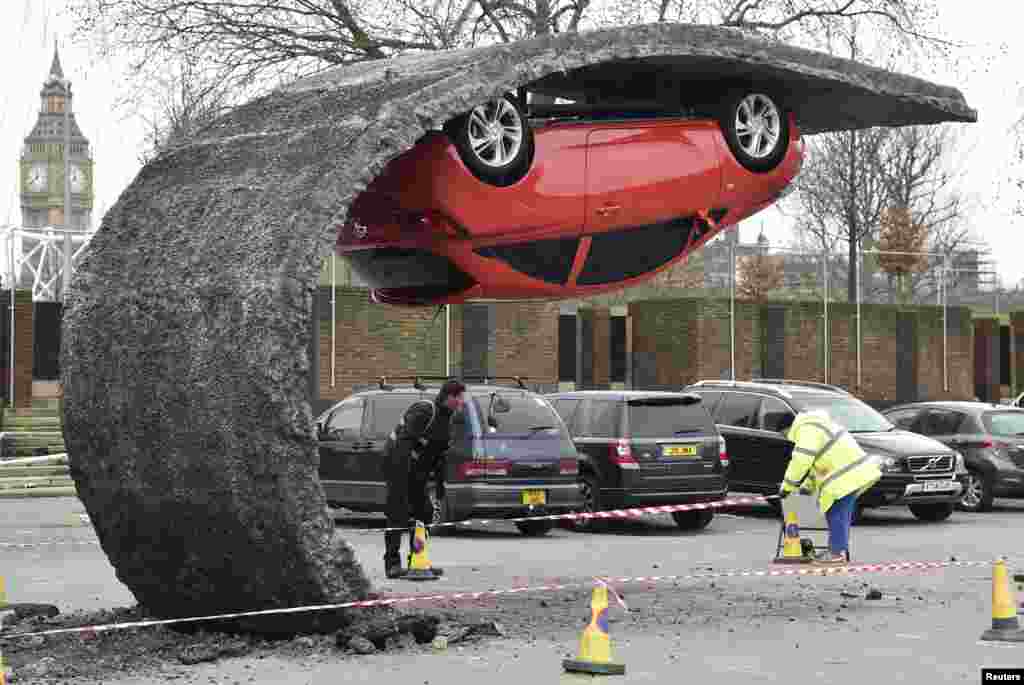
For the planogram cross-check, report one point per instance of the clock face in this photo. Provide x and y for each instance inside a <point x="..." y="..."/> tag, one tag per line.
<point x="77" y="179"/>
<point x="37" y="177"/>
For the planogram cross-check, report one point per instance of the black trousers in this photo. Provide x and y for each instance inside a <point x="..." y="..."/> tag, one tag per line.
<point x="408" y="478"/>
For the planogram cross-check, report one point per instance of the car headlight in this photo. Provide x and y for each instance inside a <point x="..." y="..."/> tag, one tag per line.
<point x="961" y="465"/>
<point x="886" y="464"/>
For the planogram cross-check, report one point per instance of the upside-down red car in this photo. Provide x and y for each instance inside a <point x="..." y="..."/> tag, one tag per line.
<point x="506" y="204"/>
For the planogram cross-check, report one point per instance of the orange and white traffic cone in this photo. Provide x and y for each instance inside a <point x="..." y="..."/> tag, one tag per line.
<point x="595" y="655"/>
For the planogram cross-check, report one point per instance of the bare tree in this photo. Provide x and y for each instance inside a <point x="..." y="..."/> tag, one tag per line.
<point x="176" y="104"/>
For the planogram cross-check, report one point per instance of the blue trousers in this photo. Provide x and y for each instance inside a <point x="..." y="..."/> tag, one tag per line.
<point x="840" y="516"/>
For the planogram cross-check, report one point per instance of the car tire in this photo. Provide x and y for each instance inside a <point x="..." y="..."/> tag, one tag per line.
<point x="590" y="490"/>
<point x="693" y="520"/>
<point x="932" y="512"/>
<point x="748" y="146"/>
<point x="534" y="529"/>
<point x="485" y="156"/>
<point x="978" y="494"/>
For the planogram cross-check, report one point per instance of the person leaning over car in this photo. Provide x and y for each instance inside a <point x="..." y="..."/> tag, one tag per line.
<point x="416" y="450"/>
<point x="836" y="469"/>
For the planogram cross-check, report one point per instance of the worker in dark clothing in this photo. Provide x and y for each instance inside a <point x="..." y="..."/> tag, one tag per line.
<point x="416" y="450"/>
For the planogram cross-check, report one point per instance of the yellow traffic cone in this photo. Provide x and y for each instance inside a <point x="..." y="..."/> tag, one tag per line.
<point x="595" y="654"/>
<point x="792" y="549"/>
<point x="420" y="567"/>
<point x="1005" y="626"/>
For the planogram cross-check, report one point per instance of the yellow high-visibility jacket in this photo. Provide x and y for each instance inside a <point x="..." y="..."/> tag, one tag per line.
<point x="832" y="461"/>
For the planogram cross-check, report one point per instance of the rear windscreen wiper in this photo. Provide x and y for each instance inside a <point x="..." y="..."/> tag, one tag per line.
<point x="688" y="430"/>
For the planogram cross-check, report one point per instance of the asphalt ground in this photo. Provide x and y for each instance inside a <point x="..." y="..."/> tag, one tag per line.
<point x="925" y="628"/>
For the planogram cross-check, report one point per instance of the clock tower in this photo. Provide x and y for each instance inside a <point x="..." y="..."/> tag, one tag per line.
<point x="42" y="161"/>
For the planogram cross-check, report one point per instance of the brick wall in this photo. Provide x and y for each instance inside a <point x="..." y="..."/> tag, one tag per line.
<point x="23" y="348"/>
<point x="986" y="359"/>
<point x="1017" y="353"/>
<point x="675" y="342"/>
<point x="372" y="340"/>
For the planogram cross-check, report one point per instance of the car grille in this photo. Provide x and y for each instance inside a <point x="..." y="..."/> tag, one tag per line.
<point x="925" y="465"/>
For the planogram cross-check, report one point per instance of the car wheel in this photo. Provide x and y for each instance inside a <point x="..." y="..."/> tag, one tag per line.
<point x="693" y="520"/>
<point x="978" y="493"/>
<point x="756" y="129"/>
<point x="931" y="512"/>
<point x="534" y="529"/>
<point x="591" y="493"/>
<point x="494" y="140"/>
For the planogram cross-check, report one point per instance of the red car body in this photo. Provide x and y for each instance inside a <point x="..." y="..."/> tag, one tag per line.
<point x="604" y="205"/>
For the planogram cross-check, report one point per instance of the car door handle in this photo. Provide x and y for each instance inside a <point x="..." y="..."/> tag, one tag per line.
<point x="608" y="209"/>
<point x="362" y="445"/>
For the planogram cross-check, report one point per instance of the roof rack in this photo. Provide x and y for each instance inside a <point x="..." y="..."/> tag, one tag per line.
<point x="806" y="384"/>
<point x="417" y="381"/>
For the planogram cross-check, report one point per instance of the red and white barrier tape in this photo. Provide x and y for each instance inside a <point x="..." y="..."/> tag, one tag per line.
<point x="456" y="596"/>
<point x="632" y="512"/>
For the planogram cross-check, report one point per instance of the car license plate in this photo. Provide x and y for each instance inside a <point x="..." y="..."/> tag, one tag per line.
<point x="939" y="485"/>
<point x="535" y="497"/>
<point x="679" y="451"/>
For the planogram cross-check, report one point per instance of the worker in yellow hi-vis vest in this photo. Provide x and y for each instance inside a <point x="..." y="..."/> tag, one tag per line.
<point x="829" y="463"/>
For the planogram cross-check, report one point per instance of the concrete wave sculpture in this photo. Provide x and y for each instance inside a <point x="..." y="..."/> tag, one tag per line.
<point x="184" y="363"/>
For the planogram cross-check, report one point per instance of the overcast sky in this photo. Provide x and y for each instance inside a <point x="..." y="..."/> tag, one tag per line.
<point x="991" y="81"/>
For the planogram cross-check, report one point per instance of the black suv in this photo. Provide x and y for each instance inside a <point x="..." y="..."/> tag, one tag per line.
<point x="511" y="454"/>
<point x="991" y="438"/>
<point x="916" y="471"/>
<point x="645" y="449"/>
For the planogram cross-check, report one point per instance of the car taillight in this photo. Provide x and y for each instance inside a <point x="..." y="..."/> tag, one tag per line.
<point x="723" y="455"/>
<point x="990" y="443"/>
<point x="623" y="455"/>
<point x="568" y="467"/>
<point x="481" y="468"/>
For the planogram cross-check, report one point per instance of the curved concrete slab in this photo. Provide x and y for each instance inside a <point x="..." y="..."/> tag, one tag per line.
<point x="185" y="361"/>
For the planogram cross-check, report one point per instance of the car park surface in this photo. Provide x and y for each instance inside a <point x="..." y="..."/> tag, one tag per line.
<point x="645" y="449"/>
<point x="511" y="454"/>
<point x="991" y="438"/>
<point x="918" y="472"/>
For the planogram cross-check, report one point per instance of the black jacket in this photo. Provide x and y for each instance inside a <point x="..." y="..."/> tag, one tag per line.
<point x="429" y="424"/>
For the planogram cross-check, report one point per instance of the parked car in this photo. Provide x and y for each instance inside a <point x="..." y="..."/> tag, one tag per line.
<point x="511" y="454"/>
<point x="645" y="449"/>
<point x="516" y="200"/>
<point x="991" y="438"/>
<point x="917" y="471"/>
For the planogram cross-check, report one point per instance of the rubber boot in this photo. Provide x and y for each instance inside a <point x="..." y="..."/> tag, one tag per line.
<point x="393" y="554"/>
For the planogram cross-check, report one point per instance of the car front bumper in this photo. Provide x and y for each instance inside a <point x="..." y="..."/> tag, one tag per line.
<point x="902" y="489"/>
<point x="467" y="500"/>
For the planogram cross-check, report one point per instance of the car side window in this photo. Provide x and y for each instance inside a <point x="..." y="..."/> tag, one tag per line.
<point x="773" y="413"/>
<point x="904" y="418"/>
<point x="347" y="421"/>
<point x="568" y="409"/>
<point x="941" y="422"/>
<point x="603" y="419"/>
<point x="738" y="409"/>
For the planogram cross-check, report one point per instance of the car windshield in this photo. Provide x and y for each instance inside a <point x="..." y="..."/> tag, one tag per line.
<point x="850" y="413"/>
<point x="1005" y="423"/>
<point x="527" y="414"/>
<point x="661" y="419"/>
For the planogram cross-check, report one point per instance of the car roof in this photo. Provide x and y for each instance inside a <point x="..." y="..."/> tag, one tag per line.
<point x="616" y="394"/>
<point x="432" y="389"/>
<point x="793" y="390"/>
<point x="963" y="405"/>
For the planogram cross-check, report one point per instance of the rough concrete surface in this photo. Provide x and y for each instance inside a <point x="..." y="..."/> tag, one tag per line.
<point x="184" y="363"/>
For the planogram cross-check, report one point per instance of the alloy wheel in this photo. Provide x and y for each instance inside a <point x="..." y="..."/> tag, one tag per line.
<point x="971" y="499"/>
<point x="758" y="125"/>
<point x="495" y="132"/>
